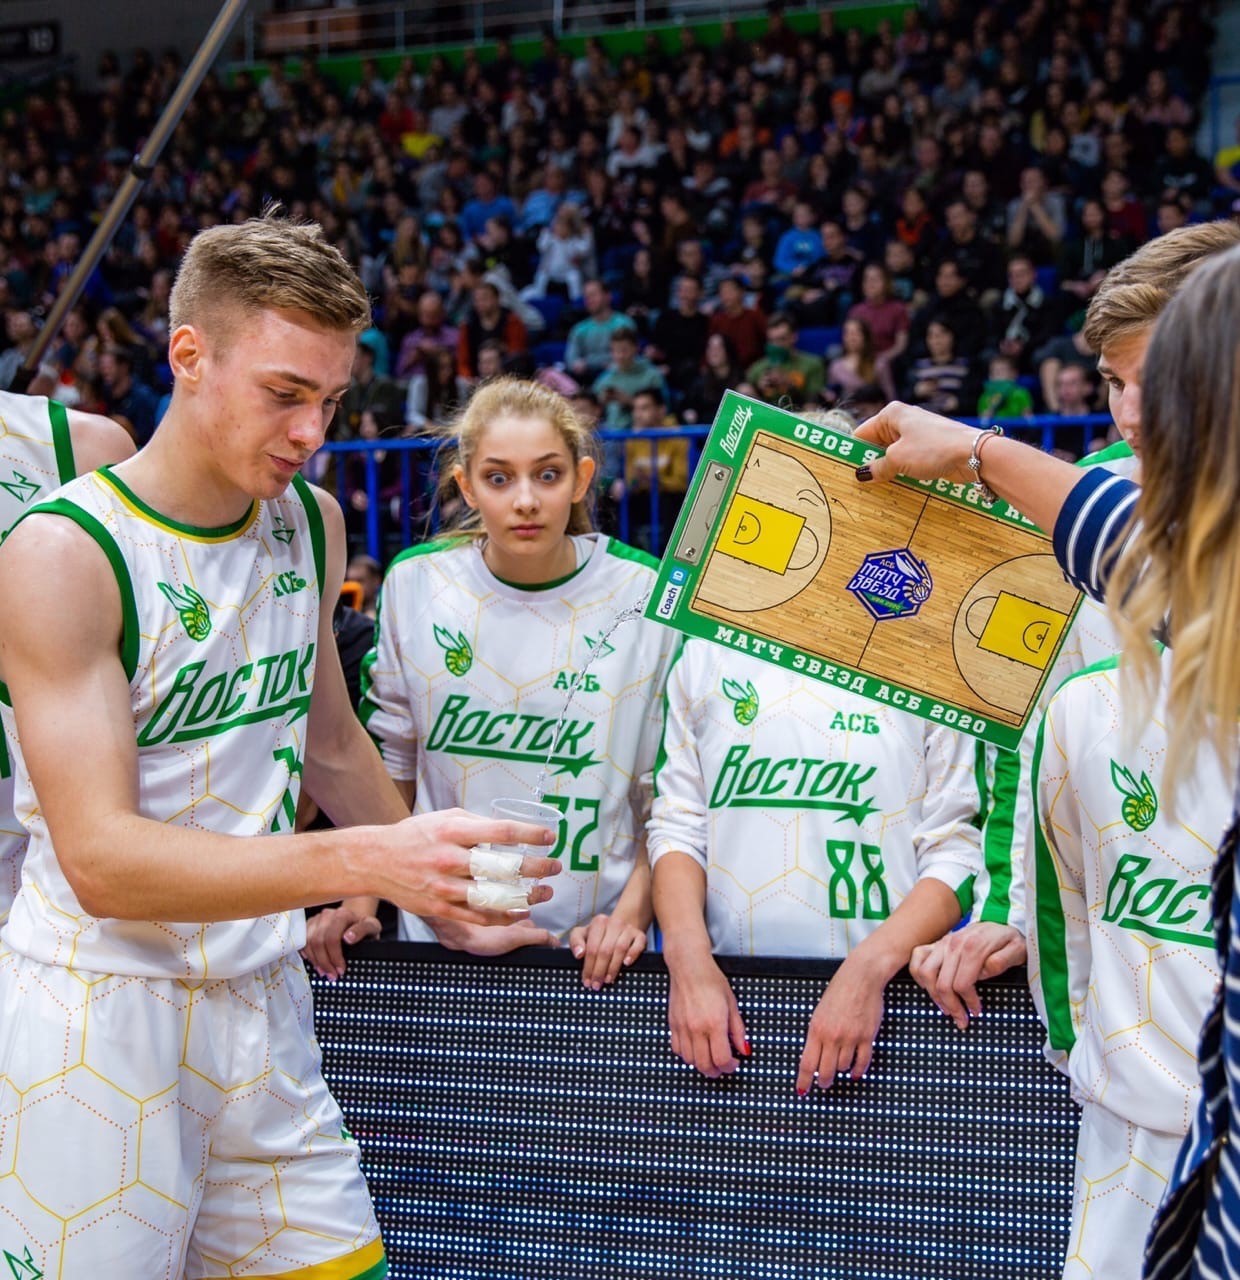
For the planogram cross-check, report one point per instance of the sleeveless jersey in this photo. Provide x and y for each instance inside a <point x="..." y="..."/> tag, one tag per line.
<point x="1122" y="963"/>
<point x="469" y="676"/>
<point x="36" y="456"/>
<point x="812" y="811"/>
<point x="219" y="635"/>
<point x="1000" y="890"/>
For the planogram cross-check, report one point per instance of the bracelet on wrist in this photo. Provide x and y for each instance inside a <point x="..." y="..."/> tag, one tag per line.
<point x="985" y="494"/>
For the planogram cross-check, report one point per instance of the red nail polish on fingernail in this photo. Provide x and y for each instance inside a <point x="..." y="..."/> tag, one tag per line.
<point x="746" y="1050"/>
<point x="801" y="1092"/>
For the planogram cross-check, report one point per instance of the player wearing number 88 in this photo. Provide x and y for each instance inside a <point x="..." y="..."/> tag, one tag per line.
<point x="481" y="636"/>
<point x="794" y="818"/>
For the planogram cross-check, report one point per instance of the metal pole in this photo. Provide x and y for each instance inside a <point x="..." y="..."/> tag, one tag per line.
<point x="139" y="171"/>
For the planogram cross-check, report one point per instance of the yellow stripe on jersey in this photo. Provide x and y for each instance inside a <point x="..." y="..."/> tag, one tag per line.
<point x="1023" y="631"/>
<point x="136" y="507"/>
<point x="760" y="534"/>
<point x="367" y="1263"/>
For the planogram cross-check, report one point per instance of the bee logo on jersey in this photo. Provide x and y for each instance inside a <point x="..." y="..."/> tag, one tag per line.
<point x="458" y="657"/>
<point x="191" y="608"/>
<point x="744" y="699"/>
<point x="1140" y="806"/>
<point x="892" y="584"/>
<point x="23" y="1268"/>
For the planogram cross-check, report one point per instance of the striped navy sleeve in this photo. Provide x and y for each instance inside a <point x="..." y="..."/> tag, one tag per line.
<point x="1092" y="528"/>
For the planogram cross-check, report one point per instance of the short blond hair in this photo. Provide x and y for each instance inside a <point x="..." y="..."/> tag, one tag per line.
<point x="267" y="263"/>
<point x="1135" y="293"/>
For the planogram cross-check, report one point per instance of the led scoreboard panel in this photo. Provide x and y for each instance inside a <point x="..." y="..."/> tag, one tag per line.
<point x="912" y="593"/>
<point x="515" y="1126"/>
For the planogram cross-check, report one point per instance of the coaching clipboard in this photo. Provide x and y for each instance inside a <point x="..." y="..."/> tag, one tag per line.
<point x="911" y="594"/>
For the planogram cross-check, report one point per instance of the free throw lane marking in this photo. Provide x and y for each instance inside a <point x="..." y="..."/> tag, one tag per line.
<point x="759" y="533"/>
<point x="1022" y="630"/>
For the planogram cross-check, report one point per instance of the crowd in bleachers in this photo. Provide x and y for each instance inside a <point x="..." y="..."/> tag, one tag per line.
<point x="817" y="216"/>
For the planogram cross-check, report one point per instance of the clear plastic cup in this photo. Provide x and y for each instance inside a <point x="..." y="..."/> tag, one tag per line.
<point x="532" y="811"/>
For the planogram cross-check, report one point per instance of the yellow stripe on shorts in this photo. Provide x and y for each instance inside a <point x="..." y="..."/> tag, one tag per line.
<point x="366" y="1263"/>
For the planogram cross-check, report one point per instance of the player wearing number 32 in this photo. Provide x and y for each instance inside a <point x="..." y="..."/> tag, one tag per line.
<point x="481" y="634"/>
<point x="794" y="818"/>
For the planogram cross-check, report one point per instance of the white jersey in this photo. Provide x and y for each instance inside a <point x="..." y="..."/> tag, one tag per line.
<point x="1092" y="638"/>
<point x="469" y="676"/>
<point x="219" y="635"/>
<point x="812" y="811"/>
<point x="1121" y="943"/>
<point x="36" y="456"/>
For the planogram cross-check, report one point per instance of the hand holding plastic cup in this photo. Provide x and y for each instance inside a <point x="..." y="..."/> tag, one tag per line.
<point x="496" y="868"/>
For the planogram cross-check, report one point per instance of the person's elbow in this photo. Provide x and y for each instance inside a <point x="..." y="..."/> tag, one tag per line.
<point x="99" y="880"/>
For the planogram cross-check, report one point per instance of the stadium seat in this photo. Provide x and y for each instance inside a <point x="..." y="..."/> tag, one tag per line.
<point x="818" y="341"/>
<point x="550" y="308"/>
<point x="1048" y="280"/>
<point x="546" y="353"/>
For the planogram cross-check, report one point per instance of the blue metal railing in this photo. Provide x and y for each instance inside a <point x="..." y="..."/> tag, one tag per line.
<point x="391" y="504"/>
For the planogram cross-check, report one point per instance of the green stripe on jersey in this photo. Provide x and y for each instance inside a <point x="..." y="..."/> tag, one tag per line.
<point x="62" y="441"/>
<point x="622" y="551"/>
<point x="1051" y="927"/>
<point x="660" y="758"/>
<point x="1112" y="453"/>
<point x="998" y="838"/>
<point x="314" y="518"/>
<point x="129" y="609"/>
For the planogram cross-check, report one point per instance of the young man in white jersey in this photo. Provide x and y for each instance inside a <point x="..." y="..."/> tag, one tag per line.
<point x="794" y="818"/>
<point x="154" y="1015"/>
<point x="1119" y="324"/>
<point x="1121" y="953"/>
<point x="42" y="446"/>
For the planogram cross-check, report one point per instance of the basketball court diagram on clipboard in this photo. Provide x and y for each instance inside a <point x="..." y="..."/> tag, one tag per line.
<point x="912" y="593"/>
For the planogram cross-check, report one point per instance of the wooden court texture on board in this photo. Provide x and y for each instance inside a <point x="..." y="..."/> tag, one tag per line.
<point x="911" y="594"/>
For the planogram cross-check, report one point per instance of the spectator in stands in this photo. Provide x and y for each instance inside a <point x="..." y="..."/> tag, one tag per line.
<point x="941" y="380"/>
<point x="786" y="376"/>
<point x="978" y="258"/>
<point x="856" y="365"/>
<point x="886" y="318"/>
<point x="1025" y="317"/>
<point x="991" y="217"/>
<point x="432" y="335"/>
<point x="643" y="291"/>
<point x="828" y="292"/>
<point x="541" y="203"/>
<point x="487" y="319"/>
<point x="368" y="392"/>
<point x="744" y="327"/>
<point x="487" y="202"/>
<point x="589" y="341"/>
<point x="1037" y="219"/>
<point x="21" y="331"/>
<point x="1002" y="395"/>
<point x="436" y="390"/>
<point x="915" y="226"/>
<point x="626" y="375"/>
<point x="1087" y="257"/>
<point x="950" y="303"/>
<point x="662" y="463"/>
<point x="799" y="247"/>
<point x="1075" y="392"/>
<point x="678" y="340"/>
<point x="130" y="402"/>
<point x="565" y="255"/>
<point x="368" y="574"/>
<point x="1181" y="174"/>
<point x="1125" y="215"/>
<point x="720" y="371"/>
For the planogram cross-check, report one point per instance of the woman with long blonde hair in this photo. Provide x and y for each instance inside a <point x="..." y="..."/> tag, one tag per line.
<point x="482" y="634"/>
